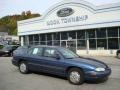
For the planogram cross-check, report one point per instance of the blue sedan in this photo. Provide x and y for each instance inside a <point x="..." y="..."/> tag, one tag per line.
<point x="59" y="61"/>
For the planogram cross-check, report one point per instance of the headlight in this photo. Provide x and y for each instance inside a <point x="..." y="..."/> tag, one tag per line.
<point x="99" y="69"/>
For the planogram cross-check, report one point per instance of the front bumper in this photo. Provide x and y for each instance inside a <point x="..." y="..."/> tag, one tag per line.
<point x="94" y="75"/>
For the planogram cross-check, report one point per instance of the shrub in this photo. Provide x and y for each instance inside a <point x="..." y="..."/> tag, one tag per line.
<point x="1" y="46"/>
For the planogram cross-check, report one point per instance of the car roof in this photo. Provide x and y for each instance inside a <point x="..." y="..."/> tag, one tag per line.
<point x="56" y="47"/>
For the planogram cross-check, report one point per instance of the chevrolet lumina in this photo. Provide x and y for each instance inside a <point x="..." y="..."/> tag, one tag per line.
<point x="59" y="61"/>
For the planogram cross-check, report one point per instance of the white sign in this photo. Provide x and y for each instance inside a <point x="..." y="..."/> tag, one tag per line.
<point x="35" y="51"/>
<point x="67" y="20"/>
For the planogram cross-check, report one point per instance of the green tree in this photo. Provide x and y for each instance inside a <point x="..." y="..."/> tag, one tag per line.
<point x="10" y="22"/>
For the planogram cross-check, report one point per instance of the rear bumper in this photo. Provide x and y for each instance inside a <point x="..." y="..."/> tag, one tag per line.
<point x="3" y="53"/>
<point x="93" y="75"/>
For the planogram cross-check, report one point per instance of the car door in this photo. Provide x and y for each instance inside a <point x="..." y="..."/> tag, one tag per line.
<point x="51" y="63"/>
<point x="35" y="58"/>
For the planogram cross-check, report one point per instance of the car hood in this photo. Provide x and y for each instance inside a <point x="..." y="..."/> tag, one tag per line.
<point x="88" y="61"/>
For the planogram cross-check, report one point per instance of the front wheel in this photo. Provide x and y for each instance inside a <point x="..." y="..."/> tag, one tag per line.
<point x="23" y="68"/>
<point x="75" y="76"/>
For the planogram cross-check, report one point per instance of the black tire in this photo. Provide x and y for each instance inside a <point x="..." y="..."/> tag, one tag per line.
<point x="10" y="55"/>
<point x="78" y="71"/>
<point x="118" y="55"/>
<point x="25" y="71"/>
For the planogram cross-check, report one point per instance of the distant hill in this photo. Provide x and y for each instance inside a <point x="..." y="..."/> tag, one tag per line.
<point x="9" y="23"/>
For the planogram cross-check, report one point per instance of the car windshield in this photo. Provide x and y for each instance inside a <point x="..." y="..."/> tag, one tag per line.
<point x="68" y="53"/>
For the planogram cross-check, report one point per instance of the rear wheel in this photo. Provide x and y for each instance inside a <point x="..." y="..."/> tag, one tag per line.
<point x="75" y="76"/>
<point x="23" y="67"/>
<point x="118" y="55"/>
<point x="10" y="54"/>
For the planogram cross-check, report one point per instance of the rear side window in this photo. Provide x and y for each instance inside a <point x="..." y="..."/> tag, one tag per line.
<point x="36" y="51"/>
<point x="49" y="52"/>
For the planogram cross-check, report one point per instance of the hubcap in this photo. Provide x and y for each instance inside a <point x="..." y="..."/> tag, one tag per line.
<point x="74" y="77"/>
<point x="22" y="67"/>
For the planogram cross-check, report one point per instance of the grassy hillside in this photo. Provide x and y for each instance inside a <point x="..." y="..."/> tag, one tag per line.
<point x="9" y="23"/>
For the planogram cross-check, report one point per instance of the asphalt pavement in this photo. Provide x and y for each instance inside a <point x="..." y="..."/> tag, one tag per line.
<point x="11" y="79"/>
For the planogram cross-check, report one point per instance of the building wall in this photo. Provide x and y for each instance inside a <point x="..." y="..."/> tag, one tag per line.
<point x="97" y="16"/>
<point x="84" y="17"/>
<point x="99" y="41"/>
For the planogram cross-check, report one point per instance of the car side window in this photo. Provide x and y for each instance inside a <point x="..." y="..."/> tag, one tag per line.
<point x="36" y="51"/>
<point x="49" y="52"/>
